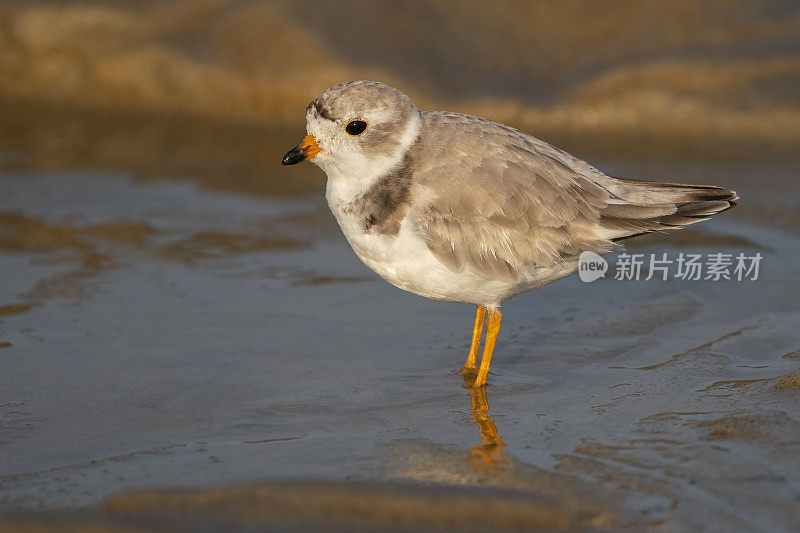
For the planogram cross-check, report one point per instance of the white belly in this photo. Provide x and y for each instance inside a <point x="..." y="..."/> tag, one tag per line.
<point x="406" y="262"/>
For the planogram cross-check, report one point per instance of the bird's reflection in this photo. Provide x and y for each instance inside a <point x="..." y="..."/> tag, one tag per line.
<point x="488" y="454"/>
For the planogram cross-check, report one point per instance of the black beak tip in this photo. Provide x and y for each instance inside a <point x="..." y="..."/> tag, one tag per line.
<point x="293" y="156"/>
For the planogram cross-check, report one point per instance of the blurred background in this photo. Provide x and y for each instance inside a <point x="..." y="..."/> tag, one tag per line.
<point x="686" y="77"/>
<point x="178" y="310"/>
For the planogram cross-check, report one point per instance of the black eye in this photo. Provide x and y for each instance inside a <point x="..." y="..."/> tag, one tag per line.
<point x="355" y="127"/>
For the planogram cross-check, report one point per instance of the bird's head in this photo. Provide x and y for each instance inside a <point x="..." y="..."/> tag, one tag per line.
<point x="357" y="127"/>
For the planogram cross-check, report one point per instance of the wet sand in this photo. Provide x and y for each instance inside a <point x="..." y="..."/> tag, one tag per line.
<point x="186" y="342"/>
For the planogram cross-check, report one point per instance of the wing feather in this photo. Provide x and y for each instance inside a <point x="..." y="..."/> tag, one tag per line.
<point x="499" y="202"/>
<point x="499" y="206"/>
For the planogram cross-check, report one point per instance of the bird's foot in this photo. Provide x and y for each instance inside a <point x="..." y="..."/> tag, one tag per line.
<point x="468" y="371"/>
<point x="473" y="385"/>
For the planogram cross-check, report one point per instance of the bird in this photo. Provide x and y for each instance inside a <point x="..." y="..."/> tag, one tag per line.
<point x="458" y="208"/>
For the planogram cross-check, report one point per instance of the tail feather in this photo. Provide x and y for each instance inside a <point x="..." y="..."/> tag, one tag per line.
<point x="638" y="207"/>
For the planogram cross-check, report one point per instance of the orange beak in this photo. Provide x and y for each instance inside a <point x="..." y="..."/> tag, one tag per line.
<point x="307" y="149"/>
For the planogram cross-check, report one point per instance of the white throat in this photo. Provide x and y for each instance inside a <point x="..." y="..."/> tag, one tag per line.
<point x="349" y="178"/>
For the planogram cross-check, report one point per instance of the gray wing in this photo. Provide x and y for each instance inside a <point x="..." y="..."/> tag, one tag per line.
<point x="500" y="203"/>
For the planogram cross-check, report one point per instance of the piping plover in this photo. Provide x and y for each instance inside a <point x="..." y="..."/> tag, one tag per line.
<point x="462" y="209"/>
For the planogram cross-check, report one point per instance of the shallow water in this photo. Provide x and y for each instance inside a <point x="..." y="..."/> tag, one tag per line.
<point x="170" y="328"/>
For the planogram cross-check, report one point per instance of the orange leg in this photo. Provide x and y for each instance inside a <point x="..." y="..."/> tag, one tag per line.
<point x="471" y="366"/>
<point x="492" y="329"/>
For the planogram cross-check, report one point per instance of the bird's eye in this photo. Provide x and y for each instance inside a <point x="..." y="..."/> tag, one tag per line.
<point x="355" y="127"/>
